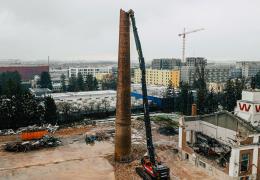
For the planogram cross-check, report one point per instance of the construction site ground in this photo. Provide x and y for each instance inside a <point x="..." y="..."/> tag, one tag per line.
<point x="75" y="159"/>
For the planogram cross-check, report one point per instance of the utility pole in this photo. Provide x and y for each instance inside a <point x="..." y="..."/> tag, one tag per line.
<point x="183" y="35"/>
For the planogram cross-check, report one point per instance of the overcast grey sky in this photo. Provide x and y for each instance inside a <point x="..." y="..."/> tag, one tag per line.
<point x="88" y="29"/>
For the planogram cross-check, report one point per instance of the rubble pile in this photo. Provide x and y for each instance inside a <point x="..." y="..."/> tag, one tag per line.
<point x="50" y="128"/>
<point x="137" y="124"/>
<point x="168" y="131"/>
<point x="6" y="132"/>
<point x="45" y="142"/>
<point x="98" y="136"/>
<point x="212" y="149"/>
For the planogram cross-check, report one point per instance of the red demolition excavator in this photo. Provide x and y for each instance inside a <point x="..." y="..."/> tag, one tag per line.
<point x="152" y="168"/>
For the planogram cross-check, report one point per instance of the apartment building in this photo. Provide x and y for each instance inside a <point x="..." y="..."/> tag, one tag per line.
<point x="248" y="68"/>
<point x="159" y="77"/>
<point x="166" y="63"/>
<point x="218" y="73"/>
<point x="193" y="61"/>
<point x="89" y="70"/>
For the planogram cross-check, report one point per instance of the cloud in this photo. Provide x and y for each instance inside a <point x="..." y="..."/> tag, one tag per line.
<point x="84" y="29"/>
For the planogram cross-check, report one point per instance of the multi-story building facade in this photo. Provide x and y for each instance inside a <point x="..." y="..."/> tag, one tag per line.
<point x="218" y="73"/>
<point x="56" y="73"/>
<point x="188" y="74"/>
<point x="248" y="68"/>
<point x="159" y="77"/>
<point x="193" y="61"/>
<point x="235" y="73"/>
<point x="213" y="73"/>
<point x="166" y="63"/>
<point x="89" y="70"/>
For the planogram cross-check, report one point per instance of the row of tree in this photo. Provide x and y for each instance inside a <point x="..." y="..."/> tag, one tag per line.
<point x="20" y="108"/>
<point x="79" y="84"/>
<point x="24" y="109"/>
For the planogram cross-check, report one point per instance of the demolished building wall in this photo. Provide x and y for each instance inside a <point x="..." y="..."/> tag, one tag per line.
<point x="243" y="157"/>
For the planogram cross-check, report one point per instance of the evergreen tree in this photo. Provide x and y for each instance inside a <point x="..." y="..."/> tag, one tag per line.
<point x="91" y="83"/>
<point x="257" y="80"/>
<point x="73" y="86"/>
<point x="50" y="113"/>
<point x="109" y="82"/>
<point x="80" y="82"/>
<point x="253" y="82"/>
<point x="45" y="80"/>
<point x="211" y="103"/>
<point x="95" y="84"/>
<point x="10" y="84"/>
<point x="63" y="84"/>
<point x="170" y="90"/>
<point x="229" y="102"/>
<point x="200" y="85"/>
<point x="239" y="85"/>
<point x="184" y="99"/>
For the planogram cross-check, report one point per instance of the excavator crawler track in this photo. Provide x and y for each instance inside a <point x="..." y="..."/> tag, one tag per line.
<point x="143" y="174"/>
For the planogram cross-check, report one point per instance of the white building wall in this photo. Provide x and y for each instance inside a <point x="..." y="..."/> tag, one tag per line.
<point x="180" y="137"/>
<point x="223" y="135"/>
<point x="234" y="162"/>
<point x="248" y="108"/>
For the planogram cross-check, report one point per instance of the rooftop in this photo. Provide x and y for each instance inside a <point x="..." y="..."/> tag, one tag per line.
<point x="226" y="120"/>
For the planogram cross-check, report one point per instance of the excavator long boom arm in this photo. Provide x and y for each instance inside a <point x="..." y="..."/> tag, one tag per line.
<point x="147" y="121"/>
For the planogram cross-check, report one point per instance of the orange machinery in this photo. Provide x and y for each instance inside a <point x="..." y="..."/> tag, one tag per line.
<point x="30" y="135"/>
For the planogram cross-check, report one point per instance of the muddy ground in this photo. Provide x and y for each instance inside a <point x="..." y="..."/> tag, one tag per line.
<point x="77" y="160"/>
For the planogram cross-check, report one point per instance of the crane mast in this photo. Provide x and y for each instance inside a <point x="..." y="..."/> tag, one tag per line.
<point x="147" y="121"/>
<point x="184" y="40"/>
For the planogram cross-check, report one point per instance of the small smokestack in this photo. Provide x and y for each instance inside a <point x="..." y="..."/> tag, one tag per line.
<point x="49" y="63"/>
<point x="194" y="110"/>
<point x="123" y="104"/>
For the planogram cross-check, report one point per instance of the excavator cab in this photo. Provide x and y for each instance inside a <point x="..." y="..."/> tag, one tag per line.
<point x="154" y="171"/>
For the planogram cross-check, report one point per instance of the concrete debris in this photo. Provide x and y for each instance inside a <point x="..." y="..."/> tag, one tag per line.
<point x="50" y="128"/>
<point x="5" y="132"/>
<point x="97" y="136"/>
<point x="212" y="149"/>
<point x="89" y="122"/>
<point x="24" y="146"/>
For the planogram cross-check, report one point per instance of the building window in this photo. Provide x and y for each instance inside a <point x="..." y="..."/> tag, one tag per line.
<point x="244" y="163"/>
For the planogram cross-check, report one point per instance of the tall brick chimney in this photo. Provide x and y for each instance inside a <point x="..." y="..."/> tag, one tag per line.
<point x="123" y="104"/>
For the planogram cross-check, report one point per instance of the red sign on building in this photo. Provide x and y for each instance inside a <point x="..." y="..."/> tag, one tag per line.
<point x="244" y="107"/>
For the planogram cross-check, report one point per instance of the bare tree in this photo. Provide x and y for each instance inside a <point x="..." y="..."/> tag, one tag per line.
<point x="65" y="108"/>
<point x="91" y="105"/>
<point x="105" y="104"/>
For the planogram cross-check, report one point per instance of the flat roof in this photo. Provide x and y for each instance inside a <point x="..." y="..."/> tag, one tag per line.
<point x="83" y="93"/>
<point x="226" y="120"/>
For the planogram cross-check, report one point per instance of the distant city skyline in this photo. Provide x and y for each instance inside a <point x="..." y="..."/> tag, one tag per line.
<point x="88" y="30"/>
